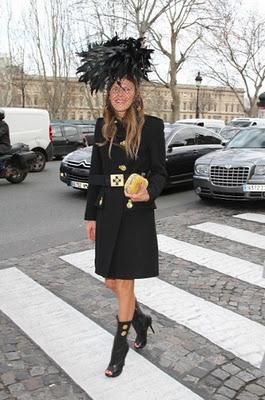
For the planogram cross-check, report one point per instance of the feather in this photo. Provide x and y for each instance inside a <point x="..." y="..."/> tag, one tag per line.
<point x="104" y="63"/>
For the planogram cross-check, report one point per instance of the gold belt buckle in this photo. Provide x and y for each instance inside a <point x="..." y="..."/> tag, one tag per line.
<point x="116" y="180"/>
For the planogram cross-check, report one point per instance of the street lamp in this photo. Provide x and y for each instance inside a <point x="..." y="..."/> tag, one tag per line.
<point x="198" y="81"/>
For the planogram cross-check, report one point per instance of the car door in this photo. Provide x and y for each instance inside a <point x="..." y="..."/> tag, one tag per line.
<point x="181" y="155"/>
<point x="206" y="141"/>
<point x="72" y="138"/>
<point x="58" y="141"/>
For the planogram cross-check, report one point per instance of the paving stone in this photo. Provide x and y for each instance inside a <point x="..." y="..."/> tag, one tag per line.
<point x="234" y="383"/>
<point x="4" y="395"/>
<point x="231" y="369"/>
<point x="256" y="389"/>
<point x="16" y="388"/>
<point x="8" y="378"/>
<point x="12" y="356"/>
<point x="245" y="376"/>
<point x="198" y="372"/>
<point x="35" y="371"/>
<point x="225" y="391"/>
<point x="33" y="383"/>
<point x="219" y="373"/>
<point x="247" y="396"/>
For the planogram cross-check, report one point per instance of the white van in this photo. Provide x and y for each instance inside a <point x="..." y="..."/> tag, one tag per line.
<point x="246" y="122"/>
<point x="212" y="124"/>
<point x="32" y="127"/>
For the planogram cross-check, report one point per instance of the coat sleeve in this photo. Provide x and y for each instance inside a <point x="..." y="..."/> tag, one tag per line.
<point x="158" y="174"/>
<point x="95" y="169"/>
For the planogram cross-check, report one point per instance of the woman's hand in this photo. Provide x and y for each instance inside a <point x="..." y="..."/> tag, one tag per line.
<point x="142" y="195"/>
<point x="91" y="230"/>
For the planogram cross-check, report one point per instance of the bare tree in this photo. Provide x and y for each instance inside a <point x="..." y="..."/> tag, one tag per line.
<point x="183" y="21"/>
<point x="236" y="57"/>
<point x="49" y="28"/>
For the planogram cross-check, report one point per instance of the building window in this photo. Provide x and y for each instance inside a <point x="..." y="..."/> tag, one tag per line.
<point x="226" y="107"/>
<point x="184" y="106"/>
<point x="191" y="116"/>
<point x="232" y="107"/>
<point x="72" y="115"/>
<point x="184" y="116"/>
<point x="215" y="107"/>
<point x="165" y="104"/>
<point x="238" y="107"/>
<point x="165" y="117"/>
<point x="81" y="116"/>
<point x="88" y="115"/>
<point x="35" y="100"/>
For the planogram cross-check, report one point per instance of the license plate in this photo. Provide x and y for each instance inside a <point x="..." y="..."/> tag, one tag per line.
<point x="253" y="188"/>
<point x="79" y="185"/>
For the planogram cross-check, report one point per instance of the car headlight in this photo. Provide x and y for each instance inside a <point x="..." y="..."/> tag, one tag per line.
<point x="260" y="170"/>
<point x="202" y="169"/>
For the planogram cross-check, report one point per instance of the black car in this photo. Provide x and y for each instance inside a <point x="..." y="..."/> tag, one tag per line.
<point x="66" y="138"/>
<point x="88" y="131"/>
<point x="184" y="144"/>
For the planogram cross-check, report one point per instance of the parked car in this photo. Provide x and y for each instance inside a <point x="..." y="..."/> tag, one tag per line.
<point x="235" y="173"/>
<point x="247" y="122"/>
<point x="212" y="124"/>
<point x="32" y="127"/>
<point x="66" y="138"/>
<point x="88" y="131"/>
<point x="229" y="132"/>
<point x="184" y="144"/>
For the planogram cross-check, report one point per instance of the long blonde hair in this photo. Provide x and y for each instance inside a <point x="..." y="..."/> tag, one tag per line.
<point x="133" y="122"/>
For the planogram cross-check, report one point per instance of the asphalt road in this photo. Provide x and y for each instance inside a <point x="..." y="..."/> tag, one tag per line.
<point x="43" y="212"/>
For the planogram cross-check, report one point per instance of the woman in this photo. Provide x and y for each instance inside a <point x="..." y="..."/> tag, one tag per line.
<point x="123" y="225"/>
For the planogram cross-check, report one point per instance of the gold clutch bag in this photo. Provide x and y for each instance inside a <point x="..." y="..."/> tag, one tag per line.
<point x="133" y="183"/>
<point x="133" y="186"/>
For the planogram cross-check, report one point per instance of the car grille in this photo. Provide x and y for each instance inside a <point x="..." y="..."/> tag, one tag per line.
<point x="77" y="178"/>
<point x="78" y="164"/>
<point x="229" y="176"/>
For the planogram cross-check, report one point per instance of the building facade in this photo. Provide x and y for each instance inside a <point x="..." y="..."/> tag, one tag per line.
<point x="68" y="99"/>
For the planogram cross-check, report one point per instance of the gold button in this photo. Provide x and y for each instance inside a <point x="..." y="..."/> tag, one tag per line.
<point x="122" y="143"/>
<point x="122" y="167"/>
<point x="125" y="327"/>
<point x="129" y="203"/>
<point x="124" y="333"/>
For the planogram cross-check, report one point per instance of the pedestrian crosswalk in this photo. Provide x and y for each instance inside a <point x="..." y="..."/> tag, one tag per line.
<point x="63" y="333"/>
<point x="231" y="233"/>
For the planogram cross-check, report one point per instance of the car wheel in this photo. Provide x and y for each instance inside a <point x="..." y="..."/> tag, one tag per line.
<point x="39" y="162"/>
<point x="17" y="176"/>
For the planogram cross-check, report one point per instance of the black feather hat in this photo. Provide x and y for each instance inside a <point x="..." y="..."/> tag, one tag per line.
<point x="104" y="63"/>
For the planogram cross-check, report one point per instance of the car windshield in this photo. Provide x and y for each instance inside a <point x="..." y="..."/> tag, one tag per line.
<point x="228" y="133"/>
<point x="248" y="138"/>
<point x="170" y="128"/>
<point x="242" y="123"/>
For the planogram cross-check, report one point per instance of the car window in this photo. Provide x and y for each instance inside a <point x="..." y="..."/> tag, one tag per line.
<point x="203" y="136"/>
<point x="56" y="131"/>
<point x="70" y="130"/>
<point x="185" y="136"/>
<point x="248" y="138"/>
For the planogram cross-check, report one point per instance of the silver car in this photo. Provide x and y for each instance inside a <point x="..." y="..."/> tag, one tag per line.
<point x="236" y="172"/>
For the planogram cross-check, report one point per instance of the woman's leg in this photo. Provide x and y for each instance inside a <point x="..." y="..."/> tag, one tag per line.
<point x="124" y="290"/>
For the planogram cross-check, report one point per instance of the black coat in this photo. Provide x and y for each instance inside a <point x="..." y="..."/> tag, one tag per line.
<point x="126" y="242"/>
<point x="4" y="138"/>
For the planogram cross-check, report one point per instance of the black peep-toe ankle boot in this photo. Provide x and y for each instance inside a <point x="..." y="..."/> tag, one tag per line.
<point x="119" y="350"/>
<point x="141" y="322"/>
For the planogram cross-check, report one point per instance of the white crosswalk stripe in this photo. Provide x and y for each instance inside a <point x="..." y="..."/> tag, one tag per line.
<point x="231" y="233"/>
<point x="228" y="265"/>
<point x="254" y="217"/>
<point x="80" y="346"/>
<point x="223" y="327"/>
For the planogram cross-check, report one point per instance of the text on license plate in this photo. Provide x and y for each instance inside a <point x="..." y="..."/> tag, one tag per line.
<point x="254" y="188"/>
<point x="79" y="185"/>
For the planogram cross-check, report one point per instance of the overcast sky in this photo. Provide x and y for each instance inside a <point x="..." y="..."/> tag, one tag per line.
<point x="189" y="71"/>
